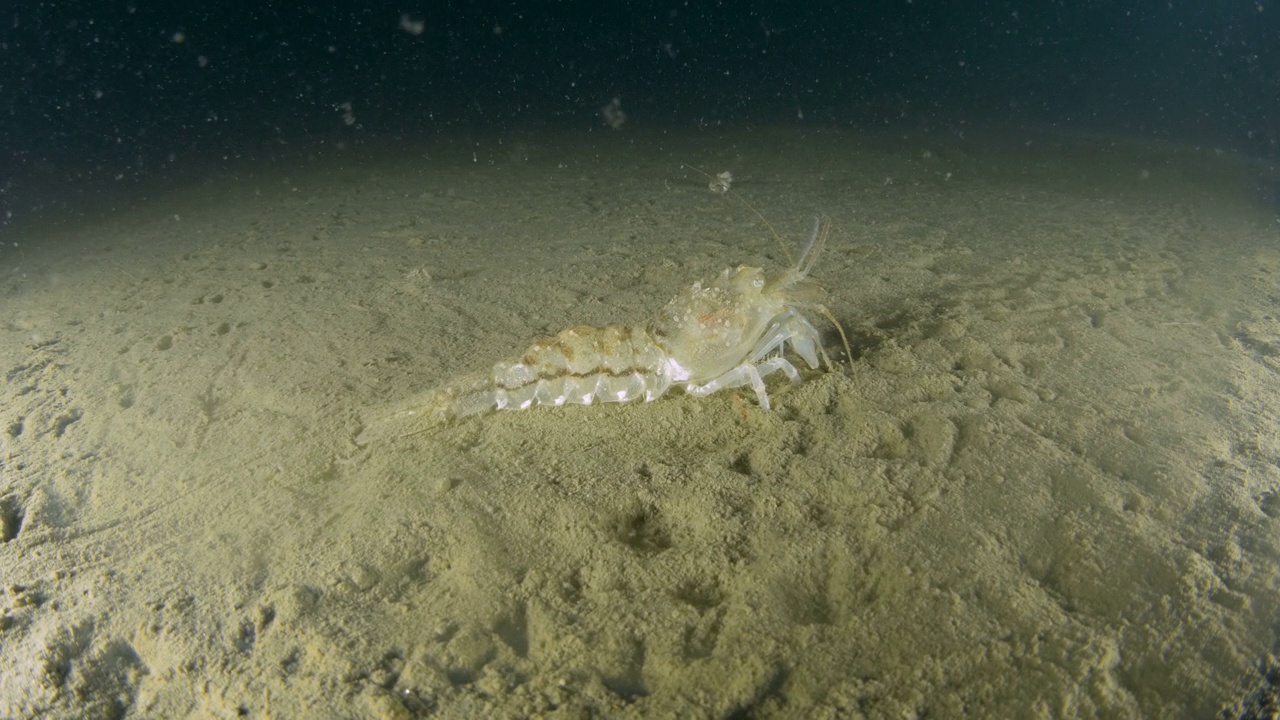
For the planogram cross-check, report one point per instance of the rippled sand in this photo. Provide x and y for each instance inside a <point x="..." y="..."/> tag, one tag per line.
<point x="1047" y="483"/>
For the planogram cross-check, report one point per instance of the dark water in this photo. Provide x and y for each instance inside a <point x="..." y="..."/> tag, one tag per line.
<point x="111" y="97"/>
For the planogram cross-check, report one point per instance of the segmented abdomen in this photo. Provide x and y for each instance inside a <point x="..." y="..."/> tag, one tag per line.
<point x="580" y="365"/>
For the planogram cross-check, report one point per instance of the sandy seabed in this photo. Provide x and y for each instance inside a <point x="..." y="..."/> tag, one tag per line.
<point x="1047" y="483"/>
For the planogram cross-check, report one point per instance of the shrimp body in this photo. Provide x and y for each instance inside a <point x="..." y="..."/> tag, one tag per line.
<point x="731" y="332"/>
<point x="581" y="365"/>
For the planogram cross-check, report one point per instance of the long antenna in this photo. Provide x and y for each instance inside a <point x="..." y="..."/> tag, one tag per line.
<point x="821" y="230"/>
<point x="781" y="243"/>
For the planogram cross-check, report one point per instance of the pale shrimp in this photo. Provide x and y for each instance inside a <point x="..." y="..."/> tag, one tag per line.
<point x="728" y="333"/>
